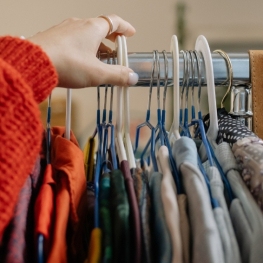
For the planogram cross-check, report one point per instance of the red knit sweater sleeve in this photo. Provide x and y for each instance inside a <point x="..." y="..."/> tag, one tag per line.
<point x="27" y="76"/>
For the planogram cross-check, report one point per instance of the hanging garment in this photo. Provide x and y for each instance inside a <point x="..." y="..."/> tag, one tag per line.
<point x="70" y="196"/>
<point x="231" y="129"/>
<point x="141" y="186"/>
<point x="243" y="212"/>
<point x="105" y="218"/>
<point x="185" y="227"/>
<point x="229" y="242"/>
<point x="44" y="209"/>
<point x="19" y="238"/>
<point x="249" y="157"/>
<point x="162" y="245"/>
<point x="169" y="200"/>
<point x="120" y="219"/>
<point x="134" y="212"/>
<point x="206" y="240"/>
<point x="89" y="153"/>
<point x="145" y="208"/>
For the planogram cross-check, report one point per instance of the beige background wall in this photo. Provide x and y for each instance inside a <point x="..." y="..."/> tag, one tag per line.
<point x="223" y="22"/>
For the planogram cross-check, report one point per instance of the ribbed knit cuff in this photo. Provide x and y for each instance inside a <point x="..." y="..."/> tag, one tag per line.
<point x="32" y="63"/>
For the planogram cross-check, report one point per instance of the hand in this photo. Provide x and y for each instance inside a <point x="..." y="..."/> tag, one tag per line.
<point x="72" y="47"/>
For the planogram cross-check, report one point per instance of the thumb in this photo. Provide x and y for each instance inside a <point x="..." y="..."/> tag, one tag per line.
<point x="117" y="75"/>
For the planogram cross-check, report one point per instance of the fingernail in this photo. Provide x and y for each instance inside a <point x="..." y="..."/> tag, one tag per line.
<point x="133" y="78"/>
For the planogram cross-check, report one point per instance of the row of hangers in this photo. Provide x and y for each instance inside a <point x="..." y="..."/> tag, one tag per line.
<point x="116" y="139"/>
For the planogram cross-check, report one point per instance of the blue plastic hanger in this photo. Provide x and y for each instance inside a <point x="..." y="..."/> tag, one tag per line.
<point x="99" y="161"/>
<point x="109" y="126"/>
<point x="148" y="124"/>
<point x="190" y="74"/>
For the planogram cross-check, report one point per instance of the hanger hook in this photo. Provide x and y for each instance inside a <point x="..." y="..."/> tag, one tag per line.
<point x="157" y="61"/>
<point x="98" y="87"/>
<point x="188" y="68"/>
<point x="199" y="74"/>
<point x="165" y="77"/>
<point x="229" y="72"/>
<point x="151" y="82"/>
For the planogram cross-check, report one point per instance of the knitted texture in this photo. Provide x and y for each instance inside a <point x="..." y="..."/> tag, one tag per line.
<point x="27" y="76"/>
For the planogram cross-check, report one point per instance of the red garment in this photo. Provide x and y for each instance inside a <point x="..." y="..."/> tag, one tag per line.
<point x="27" y="76"/>
<point x="70" y="198"/>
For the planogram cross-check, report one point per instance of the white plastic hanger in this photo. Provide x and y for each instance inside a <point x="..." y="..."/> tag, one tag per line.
<point x="174" y="133"/>
<point x="127" y="138"/>
<point x="119" y="118"/>
<point x="68" y="114"/>
<point x="202" y="46"/>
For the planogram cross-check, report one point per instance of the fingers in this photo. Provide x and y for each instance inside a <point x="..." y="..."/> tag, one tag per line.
<point x="115" y="75"/>
<point x="120" y="26"/>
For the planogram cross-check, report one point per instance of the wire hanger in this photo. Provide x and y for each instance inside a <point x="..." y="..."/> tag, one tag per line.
<point x="230" y="74"/>
<point x="126" y="137"/>
<point x="148" y="124"/>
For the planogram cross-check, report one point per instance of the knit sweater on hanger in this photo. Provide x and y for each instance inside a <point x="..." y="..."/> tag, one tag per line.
<point x="27" y="77"/>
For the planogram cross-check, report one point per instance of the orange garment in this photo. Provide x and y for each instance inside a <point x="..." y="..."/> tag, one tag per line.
<point x="68" y="173"/>
<point x="44" y="208"/>
<point x="27" y="76"/>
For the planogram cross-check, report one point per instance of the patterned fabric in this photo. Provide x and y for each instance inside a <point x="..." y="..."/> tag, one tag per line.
<point x="249" y="155"/>
<point x="231" y="129"/>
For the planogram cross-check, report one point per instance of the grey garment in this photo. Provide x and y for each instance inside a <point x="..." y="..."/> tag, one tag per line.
<point x="206" y="243"/>
<point x="231" y="251"/>
<point x="249" y="156"/>
<point x="162" y="245"/>
<point x="252" y="215"/>
<point x="224" y="235"/>
<point x="242" y="229"/>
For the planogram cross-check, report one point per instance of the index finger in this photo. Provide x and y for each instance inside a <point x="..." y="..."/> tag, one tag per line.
<point x="120" y="26"/>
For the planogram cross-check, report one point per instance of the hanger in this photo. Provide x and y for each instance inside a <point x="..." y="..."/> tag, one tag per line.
<point x="68" y="114"/>
<point x="230" y="74"/>
<point x="119" y="122"/>
<point x="174" y="133"/>
<point x="112" y="128"/>
<point x="40" y="237"/>
<point x="174" y="170"/>
<point x="203" y="47"/>
<point x="148" y="124"/>
<point x="126" y="137"/>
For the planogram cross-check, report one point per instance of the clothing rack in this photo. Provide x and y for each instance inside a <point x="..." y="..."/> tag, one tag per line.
<point x="141" y="63"/>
